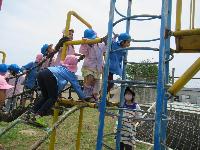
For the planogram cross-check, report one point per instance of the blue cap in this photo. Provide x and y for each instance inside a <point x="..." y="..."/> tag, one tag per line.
<point x="14" y="67"/>
<point x="123" y="37"/>
<point x="44" y="49"/>
<point x="90" y="34"/>
<point x="3" y="68"/>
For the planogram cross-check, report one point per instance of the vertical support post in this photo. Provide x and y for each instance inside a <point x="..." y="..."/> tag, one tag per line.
<point x="119" y="126"/>
<point x="4" y="57"/>
<point x="161" y="80"/>
<point x="168" y="10"/>
<point x="192" y="13"/>
<point x="78" y="139"/>
<point x="53" y="134"/>
<point x="102" y="105"/>
<point x="178" y="14"/>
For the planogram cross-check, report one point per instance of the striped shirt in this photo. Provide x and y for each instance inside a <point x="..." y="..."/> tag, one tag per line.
<point x="128" y="130"/>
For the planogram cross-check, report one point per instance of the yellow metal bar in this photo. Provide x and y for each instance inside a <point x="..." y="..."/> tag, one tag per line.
<point x="178" y="15"/>
<point x="78" y="139"/>
<point x="190" y="72"/>
<point x="186" y="32"/>
<point x="67" y="102"/>
<point x="69" y="14"/>
<point x="53" y="134"/>
<point x="72" y="13"/>
<point x="84" y="41"/>
<point x="193" y="14"/>
<point x="4" y="56"/>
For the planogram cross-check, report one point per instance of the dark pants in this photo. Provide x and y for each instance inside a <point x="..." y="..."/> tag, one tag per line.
<point x="125" y="146"/>
<point x="48" y="85"/>
<point x="110" y="85"/>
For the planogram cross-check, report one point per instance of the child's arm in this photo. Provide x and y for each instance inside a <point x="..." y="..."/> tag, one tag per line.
<point x="75" y="84"/>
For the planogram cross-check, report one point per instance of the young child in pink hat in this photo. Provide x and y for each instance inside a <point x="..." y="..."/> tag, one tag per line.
<point x="3" y="87"/>
<point x="52" y="81"/>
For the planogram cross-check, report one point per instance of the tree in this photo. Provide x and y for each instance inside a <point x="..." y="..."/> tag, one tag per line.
<point x="144" y="71"/>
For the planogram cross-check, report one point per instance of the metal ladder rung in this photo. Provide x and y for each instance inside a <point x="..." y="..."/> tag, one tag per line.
<point x="132" y="82"/>
<point x="141" y="18"/>
<point x="135" y="48"/>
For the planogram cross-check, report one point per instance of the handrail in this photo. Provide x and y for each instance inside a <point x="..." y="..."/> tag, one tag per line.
<point x="69" y="14"/>
<point x="4" y="56"/>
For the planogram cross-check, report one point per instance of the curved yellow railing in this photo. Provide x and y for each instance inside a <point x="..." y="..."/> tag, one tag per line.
<point x="69" y="14"/>
<point x="4" y="56"/>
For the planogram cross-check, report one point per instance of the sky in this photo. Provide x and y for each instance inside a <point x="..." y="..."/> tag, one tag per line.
<point x="25" y="25"/>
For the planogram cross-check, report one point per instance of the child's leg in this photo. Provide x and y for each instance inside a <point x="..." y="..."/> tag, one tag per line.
<point x="10" y="104"/>
<point x="42" y="76"/>
<point x="97" y="87"/>
<point x="88" y="85"/>
<point x="110" y="85"/>
<point x="122" y="146"/>
<point x="128" y="147"/>
<point x="50" y="84"/>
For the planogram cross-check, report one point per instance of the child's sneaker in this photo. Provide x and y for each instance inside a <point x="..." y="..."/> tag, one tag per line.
<point x="40" y="121"/>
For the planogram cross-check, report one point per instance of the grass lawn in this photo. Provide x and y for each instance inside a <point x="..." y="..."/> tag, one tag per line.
<point x="22" y="136"/>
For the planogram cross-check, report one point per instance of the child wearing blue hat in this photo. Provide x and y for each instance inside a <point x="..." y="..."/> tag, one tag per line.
<point x="3" y="69"/>
<point x="31" y="69"/>
<point x="46" y="50"/>
<point x="93" y="64"/>
<point x="116" y="57"/>
<point x="17" y="82"/>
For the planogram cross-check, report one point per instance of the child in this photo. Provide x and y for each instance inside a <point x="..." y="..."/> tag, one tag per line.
<point x="128" y="130"/>
<point x="32" y="69"/>
<point x="52" y="81"/>
<point x="117" y="57"/>
<point x="3" y="87"/>
<point x="47" y="49"/>
<point x="70" y="48"/>
<point x="3" y="69"/>
<point x="16" y="81"/>
<point x="93" y="64"/>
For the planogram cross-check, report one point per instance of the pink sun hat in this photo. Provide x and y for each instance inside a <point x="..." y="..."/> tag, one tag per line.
<point x="4" y="85"/>
<point x="70" y="63"/>
<point x="38" y="58"/>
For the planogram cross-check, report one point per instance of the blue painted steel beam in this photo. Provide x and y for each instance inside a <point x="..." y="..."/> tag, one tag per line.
<point x="135" y="48"/>
<point x="132" y="82"/>
<point x="102" y="105"/>
<point x="168" y="27"/>
<point x="146" y="17"/>
<point x="161" y="80"/>
<point x="119" y="126"/>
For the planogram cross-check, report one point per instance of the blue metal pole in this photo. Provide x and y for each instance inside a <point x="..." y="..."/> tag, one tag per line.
<point x="118" y="137"/>
<point x="102" y="105"/>
<point x="168" y="26"/>
<point x="161" y="82"/>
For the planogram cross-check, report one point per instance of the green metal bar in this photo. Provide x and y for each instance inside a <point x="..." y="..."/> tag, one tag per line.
<point x="10" y="126"/>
